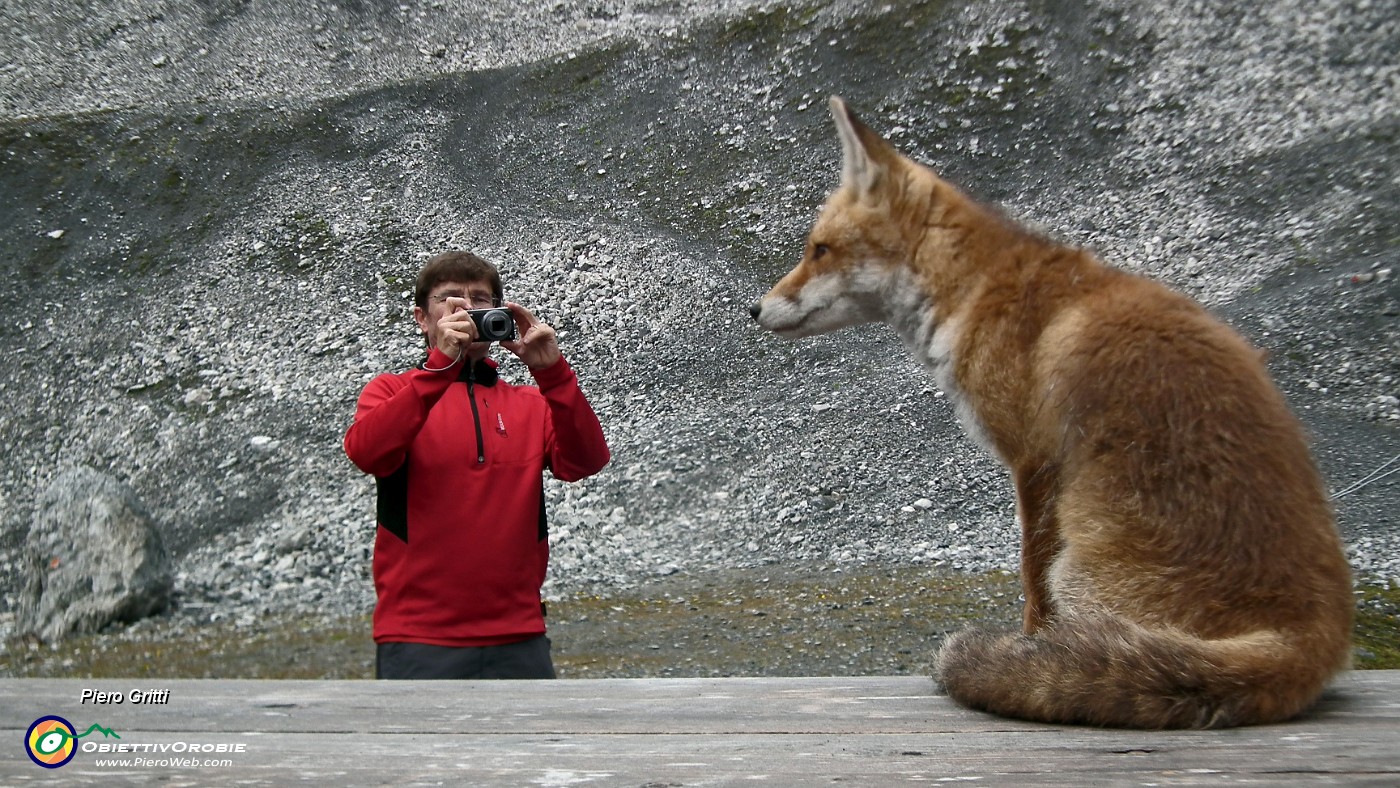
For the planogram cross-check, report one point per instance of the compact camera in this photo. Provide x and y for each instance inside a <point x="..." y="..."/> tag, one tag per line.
<point x="493" y="325"/>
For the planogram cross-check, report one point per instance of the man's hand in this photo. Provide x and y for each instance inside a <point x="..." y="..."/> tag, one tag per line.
<point x="537" y="345"/>
<point x="456" y="331"/>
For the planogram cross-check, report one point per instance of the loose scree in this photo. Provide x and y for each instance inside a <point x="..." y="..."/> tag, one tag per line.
<point x="1179" y="558"/>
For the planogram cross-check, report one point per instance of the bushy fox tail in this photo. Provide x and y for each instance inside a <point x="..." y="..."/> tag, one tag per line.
<point x="1104" y="670"/>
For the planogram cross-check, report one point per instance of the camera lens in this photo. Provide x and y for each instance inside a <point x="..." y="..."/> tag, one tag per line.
<point x="497" y="324"/>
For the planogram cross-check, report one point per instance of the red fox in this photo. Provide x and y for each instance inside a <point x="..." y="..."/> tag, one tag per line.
<point x="1179" y="559"/>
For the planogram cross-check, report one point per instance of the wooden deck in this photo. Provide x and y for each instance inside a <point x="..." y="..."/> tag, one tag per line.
<point x="663" y="732"/>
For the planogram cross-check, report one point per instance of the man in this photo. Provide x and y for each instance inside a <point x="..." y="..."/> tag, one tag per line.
<point x="458" y="456"/>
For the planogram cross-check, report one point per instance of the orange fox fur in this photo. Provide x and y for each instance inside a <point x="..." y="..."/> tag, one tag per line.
<point x="1179" y="559"/>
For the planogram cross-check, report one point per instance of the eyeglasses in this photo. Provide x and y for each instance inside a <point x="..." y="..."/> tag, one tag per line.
<point x="477" y="300"/>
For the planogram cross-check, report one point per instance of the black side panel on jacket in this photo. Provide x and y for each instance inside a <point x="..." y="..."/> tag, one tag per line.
<point x="391" y="508"/>
<point x="544" y="521"/>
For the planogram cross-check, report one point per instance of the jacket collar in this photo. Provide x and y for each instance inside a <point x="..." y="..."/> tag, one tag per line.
<point x="481" y="373"/>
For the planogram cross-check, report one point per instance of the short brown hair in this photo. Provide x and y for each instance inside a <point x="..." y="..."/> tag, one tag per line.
<point x="455" y="267"/>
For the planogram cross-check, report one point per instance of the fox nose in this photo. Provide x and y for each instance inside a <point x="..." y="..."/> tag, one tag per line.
<point x="755" y="309"/>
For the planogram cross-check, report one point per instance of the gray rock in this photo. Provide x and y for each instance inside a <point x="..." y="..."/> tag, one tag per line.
<point x="93" y="556"/>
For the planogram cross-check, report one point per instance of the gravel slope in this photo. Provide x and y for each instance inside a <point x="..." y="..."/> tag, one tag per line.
<point x="210" y="216"/>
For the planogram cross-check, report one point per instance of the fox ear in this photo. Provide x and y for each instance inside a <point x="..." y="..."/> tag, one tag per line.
<point x="866" y="159"/>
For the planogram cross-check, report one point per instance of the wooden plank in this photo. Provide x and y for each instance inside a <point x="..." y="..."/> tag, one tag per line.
<point x="609" y="705"/>
<point x="670" y="731"/>
<point x="669" y="759"/>
<point x="515" y="759"/>
<point x="790" y="705"/>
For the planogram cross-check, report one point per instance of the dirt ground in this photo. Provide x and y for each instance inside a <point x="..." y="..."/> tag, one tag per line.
<point x="765" y="621"/>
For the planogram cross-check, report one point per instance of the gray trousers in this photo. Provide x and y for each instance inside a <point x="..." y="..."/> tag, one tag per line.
<point x="528" y="659"/>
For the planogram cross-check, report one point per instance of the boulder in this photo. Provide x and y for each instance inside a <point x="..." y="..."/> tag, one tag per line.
<point x="93" y="556"/>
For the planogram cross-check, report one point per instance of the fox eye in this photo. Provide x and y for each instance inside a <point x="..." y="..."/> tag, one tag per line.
<point x="819" y="251"/>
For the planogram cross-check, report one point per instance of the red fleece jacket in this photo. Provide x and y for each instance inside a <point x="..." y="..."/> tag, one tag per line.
<point x="461" y="549"/>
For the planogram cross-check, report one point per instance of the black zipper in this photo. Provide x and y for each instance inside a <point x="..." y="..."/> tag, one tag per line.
<point x="476" y="417"/>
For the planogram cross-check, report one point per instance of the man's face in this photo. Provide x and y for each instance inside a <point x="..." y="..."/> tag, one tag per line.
<point x="477" y="294"/>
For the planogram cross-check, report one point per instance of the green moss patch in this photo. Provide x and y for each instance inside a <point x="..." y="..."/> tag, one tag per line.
<point x="1378" y="628"/>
